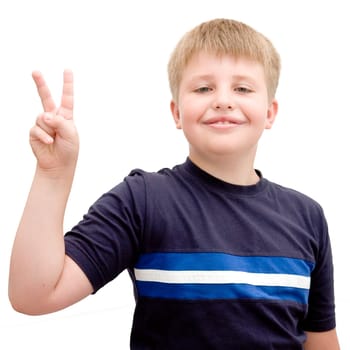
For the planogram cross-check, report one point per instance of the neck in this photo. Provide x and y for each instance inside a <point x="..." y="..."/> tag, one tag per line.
<point x="228" y="168"/>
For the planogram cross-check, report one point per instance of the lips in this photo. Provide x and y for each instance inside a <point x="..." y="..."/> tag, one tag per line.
<point x="223" y="121"/>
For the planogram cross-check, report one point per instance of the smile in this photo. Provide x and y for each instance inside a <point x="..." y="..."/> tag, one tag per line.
<point x="223" y="123"/>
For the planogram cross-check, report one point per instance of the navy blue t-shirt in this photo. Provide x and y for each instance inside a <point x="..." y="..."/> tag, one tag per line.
<point x="214" y="265"/>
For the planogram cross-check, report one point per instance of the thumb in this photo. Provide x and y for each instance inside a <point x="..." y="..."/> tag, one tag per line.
<point x="61" y="126"/>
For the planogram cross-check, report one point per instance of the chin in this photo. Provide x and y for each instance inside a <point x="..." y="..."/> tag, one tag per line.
<point x="233" y="152"/>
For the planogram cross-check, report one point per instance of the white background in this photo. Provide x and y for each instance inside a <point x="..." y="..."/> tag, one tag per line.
<point x="118" y="51"/>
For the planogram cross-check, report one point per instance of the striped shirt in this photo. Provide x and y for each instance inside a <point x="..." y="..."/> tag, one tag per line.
<point x="214" y="265"/>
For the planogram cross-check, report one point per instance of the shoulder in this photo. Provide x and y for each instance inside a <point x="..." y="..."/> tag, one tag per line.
<point x="298" y="205"/>
<point x="293" y="196"/>
<point x="162" y="172"/>
<point x="161" y="177"/>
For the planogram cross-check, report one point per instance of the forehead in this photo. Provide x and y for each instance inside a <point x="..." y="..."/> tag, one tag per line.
<point x="206" y="64"/>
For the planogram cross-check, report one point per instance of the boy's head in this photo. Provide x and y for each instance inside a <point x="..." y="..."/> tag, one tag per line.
<point x="225" y="37"/>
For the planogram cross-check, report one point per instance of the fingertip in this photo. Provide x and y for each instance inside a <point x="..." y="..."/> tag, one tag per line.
<point x="48" y="117"/>
<point x="49" y="140"/>
<point x="68" y="71"/>
<point x="37" y="77"/>
<point x="36" y="73"/>
<point x="68" y="75"/>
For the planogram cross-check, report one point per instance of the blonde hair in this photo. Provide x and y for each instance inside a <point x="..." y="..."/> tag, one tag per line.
<point x="221" y="37"/>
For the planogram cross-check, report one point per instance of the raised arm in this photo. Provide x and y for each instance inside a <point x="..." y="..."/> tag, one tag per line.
<point x="322" y="340"/>
<point x="42" y="279"/>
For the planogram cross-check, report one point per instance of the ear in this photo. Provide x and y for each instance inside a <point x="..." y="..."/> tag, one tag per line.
<point x="271" y="114"/>
<point x="176" y="114"/>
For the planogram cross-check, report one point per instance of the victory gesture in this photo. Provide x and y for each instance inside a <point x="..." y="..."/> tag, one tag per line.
<point x="54" y="138"/>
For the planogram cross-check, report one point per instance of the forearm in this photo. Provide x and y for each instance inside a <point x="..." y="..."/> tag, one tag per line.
<point x="322" y="340"/>
<point x="38" y="251"/>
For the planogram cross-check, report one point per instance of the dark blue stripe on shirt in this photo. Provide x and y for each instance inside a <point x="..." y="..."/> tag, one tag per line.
<point x="221" y="291"/>
<point x="224" y="262"/>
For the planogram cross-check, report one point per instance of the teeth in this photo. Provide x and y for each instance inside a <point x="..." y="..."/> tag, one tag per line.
<point x="223" y="122"/>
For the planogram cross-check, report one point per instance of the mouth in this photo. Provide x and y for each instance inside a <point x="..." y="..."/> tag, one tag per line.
<point x="223" y="122"/>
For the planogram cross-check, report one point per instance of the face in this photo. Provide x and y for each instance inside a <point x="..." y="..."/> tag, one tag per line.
<point x="223" y="105"/>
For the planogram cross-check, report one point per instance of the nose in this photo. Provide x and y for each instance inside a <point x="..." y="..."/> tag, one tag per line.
<point x="223" y="106"/>
<point x="223" y="100"/>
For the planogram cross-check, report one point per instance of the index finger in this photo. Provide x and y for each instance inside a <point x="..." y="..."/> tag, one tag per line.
<point x="44" y="92"/>
<point x="67" y="101"/>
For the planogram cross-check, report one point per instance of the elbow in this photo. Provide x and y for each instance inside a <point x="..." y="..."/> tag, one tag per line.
<point x="30" y="304"/>
<point x="22" y="304"/>
<point x="23" y="308"/>
<point x="19" y="306"/>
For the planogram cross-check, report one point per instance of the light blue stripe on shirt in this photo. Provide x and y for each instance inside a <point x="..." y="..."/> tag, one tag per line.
<point x="223" y="261"/>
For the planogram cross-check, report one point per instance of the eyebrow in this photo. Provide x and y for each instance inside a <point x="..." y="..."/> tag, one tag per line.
<point x="238" y="77"/>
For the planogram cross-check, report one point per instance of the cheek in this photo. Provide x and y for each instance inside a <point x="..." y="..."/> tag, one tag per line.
<point x="185" y="114"/>
<point x="258" y="114"/>
<point x="193" y="110"/>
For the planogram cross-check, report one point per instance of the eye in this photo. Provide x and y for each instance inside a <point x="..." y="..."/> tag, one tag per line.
<point x="203" y="89"/>
<point x="243" y="90"/>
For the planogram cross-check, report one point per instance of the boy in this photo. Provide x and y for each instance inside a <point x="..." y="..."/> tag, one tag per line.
<point x="220" y="257"/>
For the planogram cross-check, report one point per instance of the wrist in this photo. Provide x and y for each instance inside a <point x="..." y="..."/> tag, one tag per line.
<point x="57" y="175"/>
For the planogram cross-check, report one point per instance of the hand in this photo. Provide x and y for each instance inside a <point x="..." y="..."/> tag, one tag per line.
<point x="54" y="138"/>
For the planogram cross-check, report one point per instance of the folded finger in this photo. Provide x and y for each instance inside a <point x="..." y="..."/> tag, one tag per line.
<point x="43" y="122"/>
<point x="39" y="134"/>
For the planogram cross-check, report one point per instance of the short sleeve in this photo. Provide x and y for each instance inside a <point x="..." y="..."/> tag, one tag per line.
<point x="106" y="241"/>
<point x="321" y="306"/>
